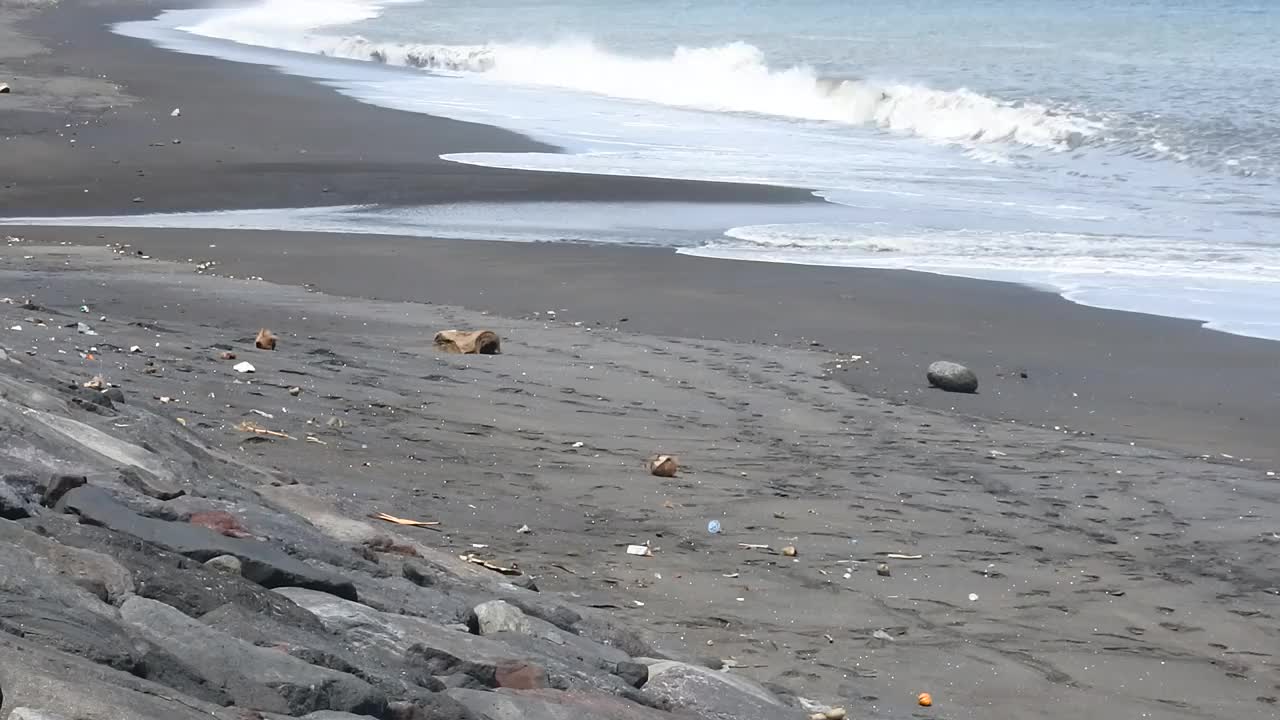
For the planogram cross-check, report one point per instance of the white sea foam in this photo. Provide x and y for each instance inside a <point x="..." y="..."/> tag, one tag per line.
<point x="734" y="77"/>
<point x="1026" y="252"/>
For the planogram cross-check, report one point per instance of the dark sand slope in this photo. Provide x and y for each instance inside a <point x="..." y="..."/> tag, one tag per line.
<point x="1110" y="580"/>
<point x="1123" y="376"/>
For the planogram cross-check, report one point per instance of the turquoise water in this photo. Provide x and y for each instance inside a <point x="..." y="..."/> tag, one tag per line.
<point x="1126" y="155"/>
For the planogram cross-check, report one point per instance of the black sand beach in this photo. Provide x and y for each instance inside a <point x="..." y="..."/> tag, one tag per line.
<point x="1072" y="554"/>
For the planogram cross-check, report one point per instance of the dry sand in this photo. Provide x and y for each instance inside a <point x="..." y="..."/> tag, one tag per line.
<point x="1110" y="580"/>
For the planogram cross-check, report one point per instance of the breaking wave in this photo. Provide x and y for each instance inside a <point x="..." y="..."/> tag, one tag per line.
<point x="734" y="77"/>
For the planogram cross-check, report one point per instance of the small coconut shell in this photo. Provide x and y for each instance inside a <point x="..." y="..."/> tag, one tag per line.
<point x="664" y="465"/>
<point x="266" y="340"/>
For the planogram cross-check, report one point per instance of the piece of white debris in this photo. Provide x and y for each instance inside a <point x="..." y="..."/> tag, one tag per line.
<point x="177" y="112"/>
<point x="243" y="367"/>
<point x="973" y="597"/>
<point x="135" y="349"/>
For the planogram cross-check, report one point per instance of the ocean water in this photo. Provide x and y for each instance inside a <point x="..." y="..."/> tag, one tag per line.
<point x="1125" y="155"/>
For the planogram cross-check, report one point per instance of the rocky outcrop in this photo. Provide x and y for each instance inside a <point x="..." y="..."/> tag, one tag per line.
<point x="713" y="694"/>
<point x="260" y="562"/>
<point x="253" y="677"/>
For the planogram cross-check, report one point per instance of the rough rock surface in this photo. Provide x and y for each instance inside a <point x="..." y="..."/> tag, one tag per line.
<point x="255" y="678"/>
<point x="260" y="562"/>
<point x="714" y="694"/>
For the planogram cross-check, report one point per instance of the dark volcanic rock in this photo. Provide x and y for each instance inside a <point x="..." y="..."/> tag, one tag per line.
<point x="53" y="610"/>
<point x="176" y="580"/>
<point x="91" y="571"/>
<point x="19" y="496"/>
<point x="35" y="676"/>
<point x="635" y="674"/>
<point x="554" y="705"/>
<point x="952" y="377"/>
<point x="255" y="678"/>
<point x="261" y="563"/>
<point x="148" y="484"/>
<point x="59" y="485"/>
<point x="715" y="695"/>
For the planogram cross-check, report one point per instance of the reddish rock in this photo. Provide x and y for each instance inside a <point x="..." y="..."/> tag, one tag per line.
<point x="220" y="522"/>
<point x="520" y="676"/>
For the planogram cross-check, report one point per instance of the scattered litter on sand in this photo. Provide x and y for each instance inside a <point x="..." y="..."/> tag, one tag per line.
<point x="640" y="550"/>
<point x="489" y="565"/>
<point x="252" y="427"/>
<point x="403" y="521"/>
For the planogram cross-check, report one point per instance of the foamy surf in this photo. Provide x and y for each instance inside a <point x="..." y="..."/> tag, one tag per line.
<point x="1102" y="227"/>
<point x="734" y="77"/>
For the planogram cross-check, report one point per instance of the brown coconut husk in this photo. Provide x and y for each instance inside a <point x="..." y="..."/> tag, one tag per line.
<point x="266" y="340"/>
<point x="664" y="465"/>
<point x="469" y="342"/>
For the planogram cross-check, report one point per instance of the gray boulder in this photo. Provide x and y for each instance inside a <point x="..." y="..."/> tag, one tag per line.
<point x="952" y="377"/>
<point x="94" y="572"/>
<point x="173" y="579"/>
<point x="225" y="563"/>
<point x="498" y="616"/>
<point x="503" y="621"/>
<point x="32" y="675"/>
<point x="713" y="694"/>
<point x="26" y="713"/>
<point x="262" y="563"/>
<point x="255" y="678"/>
<point x="553" y="705"/>
<point x="149" y="484"/>
<point x="19" y="496"/>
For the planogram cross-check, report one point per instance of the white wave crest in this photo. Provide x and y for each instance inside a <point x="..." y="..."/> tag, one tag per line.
<point x="728" y="78"/>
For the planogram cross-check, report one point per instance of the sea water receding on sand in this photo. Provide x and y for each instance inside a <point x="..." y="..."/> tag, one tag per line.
<point x="1072" y="148"/>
